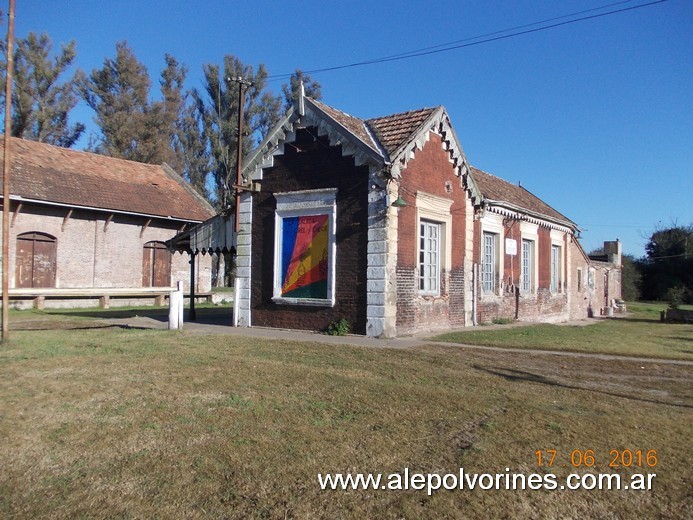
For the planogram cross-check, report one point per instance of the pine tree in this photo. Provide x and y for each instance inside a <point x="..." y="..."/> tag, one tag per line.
<point x="41" y="104"/>
<point x="133" y="127"/>
<point x="220" y="116"/>
<point x="291" y="90"/>
<point x="190" y="144"/>
<point x="171" y="112"/>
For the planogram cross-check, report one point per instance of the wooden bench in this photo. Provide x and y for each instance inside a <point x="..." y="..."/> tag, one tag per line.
<point x="103" y="294"/>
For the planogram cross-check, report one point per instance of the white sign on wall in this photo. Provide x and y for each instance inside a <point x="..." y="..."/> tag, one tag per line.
<point x="510" y="246"/>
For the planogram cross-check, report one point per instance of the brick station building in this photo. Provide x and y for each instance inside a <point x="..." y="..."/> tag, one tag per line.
<point x="83" y="223"/>
<point x="383" y="222"/>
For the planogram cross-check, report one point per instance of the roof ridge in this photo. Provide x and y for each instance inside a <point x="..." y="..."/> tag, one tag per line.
<point x="82" y="152"/>
<point x="335" y="109"/>
<point x="399" y="114"/>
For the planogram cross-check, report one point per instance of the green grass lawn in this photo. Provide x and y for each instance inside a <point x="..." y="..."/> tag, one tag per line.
<point x="640" y="333"/>
<point x="152" y="424"/>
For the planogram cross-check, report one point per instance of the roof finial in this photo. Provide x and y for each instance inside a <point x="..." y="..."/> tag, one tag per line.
<point x="301" y="99"/>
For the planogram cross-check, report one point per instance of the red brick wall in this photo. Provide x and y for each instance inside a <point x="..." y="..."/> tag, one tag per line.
<point x="507" y="304"/>
<point x="533" y="307"/>
<point x="317" y="165"/>
<point x="512" y="264"/>
<point x="430" y="171"/>
<point x="544" y="257"/>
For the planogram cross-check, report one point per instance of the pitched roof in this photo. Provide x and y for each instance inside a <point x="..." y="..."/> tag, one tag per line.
<point x="392" y="131"/>
<point x="355" y="125"/>
<point x="387" y="132"/>
<point x="59" y="175"/>
<point x="498" y="190"/>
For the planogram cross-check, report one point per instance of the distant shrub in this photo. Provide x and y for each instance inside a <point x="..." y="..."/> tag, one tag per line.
<point x="675" y="296"/>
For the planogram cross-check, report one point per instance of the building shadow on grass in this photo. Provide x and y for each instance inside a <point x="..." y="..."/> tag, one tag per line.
<point x="52" y="325"/>
<point x="220" y="315"/>
<point x="521" y="375"/>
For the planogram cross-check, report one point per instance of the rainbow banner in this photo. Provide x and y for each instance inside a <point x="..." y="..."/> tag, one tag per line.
<point x="304" y="256"/>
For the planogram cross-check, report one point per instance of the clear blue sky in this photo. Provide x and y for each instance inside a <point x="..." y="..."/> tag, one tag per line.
<point x="595" y="117"/>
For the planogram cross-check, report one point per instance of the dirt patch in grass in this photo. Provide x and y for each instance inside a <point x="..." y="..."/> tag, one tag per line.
<point x="131" y="423"/>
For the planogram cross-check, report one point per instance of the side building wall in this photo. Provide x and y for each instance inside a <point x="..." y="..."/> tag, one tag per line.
<point x="433" y="194"/>
<point x="94" y="252"/>
<point x="520" y="282"/>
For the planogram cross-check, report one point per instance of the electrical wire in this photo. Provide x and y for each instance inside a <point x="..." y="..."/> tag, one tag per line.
<point x="468" y="42"/>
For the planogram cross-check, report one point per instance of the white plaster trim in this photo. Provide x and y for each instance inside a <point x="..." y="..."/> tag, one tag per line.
<point x="530" y="231"/>
<point x="243" y="314"/>
<point x="352" y="145"/>
<point x="306" y="199"/>
<point x="492" y="223"/>
<point x="469" y="278"/>
<point x="438" y="123"/>
<point x="525" y="215"/>
<point x="381" y="278"/>
<point x="558" y="239"/>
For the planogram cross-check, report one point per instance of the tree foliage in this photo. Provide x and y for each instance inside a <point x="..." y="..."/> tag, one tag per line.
<point x="194" y="131"/>
<point x="219" y="113"/>
<point x="668" y="263"/>
<point x="292" y="90"/>
<point x="631" y="278"/>
<point x="41" y="102"/>
<point x="190" y="145"/>
<point x="132" y="126"/>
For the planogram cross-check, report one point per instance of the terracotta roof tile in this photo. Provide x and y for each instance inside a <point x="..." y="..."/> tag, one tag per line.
<point x="390" y="131"/>
<point x="495" y="188"/>
<point x="355" y="125"/>
<point x="393" y="130"/>
<point x="54" y="174"/>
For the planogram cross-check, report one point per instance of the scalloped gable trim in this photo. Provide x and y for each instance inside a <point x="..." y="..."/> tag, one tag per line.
<point x="439" y="123"/>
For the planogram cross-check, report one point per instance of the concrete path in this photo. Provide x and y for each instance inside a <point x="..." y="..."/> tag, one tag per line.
<point x="363" y="341"/>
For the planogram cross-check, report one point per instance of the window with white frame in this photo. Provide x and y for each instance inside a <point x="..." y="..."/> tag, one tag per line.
<point x="429" y="257"/>
<point x="488" y="263"/>
<point x="305" y="247"/>
<point x="527" y="277"/>
<point x="555" y="268"/>
<point x="434" y="225"/>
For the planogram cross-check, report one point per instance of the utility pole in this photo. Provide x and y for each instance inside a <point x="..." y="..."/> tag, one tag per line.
<point x="6" y="180"/>
<point x="243" y="85"/>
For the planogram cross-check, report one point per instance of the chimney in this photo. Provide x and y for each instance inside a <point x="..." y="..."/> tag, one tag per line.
<point x="612" y="249"/>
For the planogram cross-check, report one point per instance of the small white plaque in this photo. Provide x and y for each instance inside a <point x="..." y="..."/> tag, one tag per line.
<point x="510" y="246"/>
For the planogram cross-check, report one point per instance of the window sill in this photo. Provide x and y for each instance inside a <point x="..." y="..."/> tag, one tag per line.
<point x="308" y="302"/>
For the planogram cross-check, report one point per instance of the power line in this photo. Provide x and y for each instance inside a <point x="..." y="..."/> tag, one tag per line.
<point x="467" y="42"/>
<point x="443" y="46"/>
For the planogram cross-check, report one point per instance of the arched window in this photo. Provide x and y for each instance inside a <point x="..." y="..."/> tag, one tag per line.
<point x="35" y="260"/>
<point x="156" y="265"/>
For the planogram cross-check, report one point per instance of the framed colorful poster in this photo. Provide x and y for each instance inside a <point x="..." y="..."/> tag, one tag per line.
<point x="304" y="266"/>
<point x="305" y="247"/>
